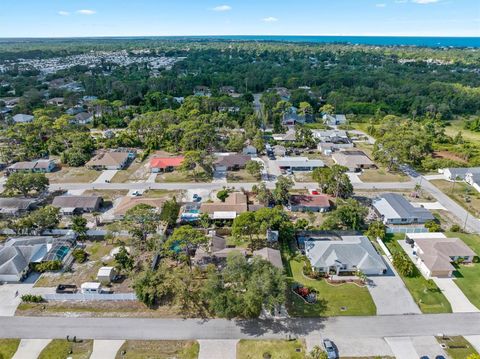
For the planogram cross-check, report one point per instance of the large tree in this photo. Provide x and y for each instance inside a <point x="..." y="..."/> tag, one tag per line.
<point x="26" y="183"/>
<point x="141" y="221"/>
<point x="349" y="214"/>
<point x="334" y="181"/>
<point x="183" y="240"/>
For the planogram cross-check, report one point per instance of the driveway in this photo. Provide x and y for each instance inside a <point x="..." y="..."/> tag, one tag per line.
<point x="458" y="300"/>
<point x="30" y="348"/>
<point x="402" y="347"/>
<point x="474" y="340"/>
<point x="106" y="349"/>
<point x="354" y="177"/>
<point x="219" y="177"/>
<point x="390" y="294"/>
<point x="105" y="176"/>
<point x="217" y="349"/>
<point x="353" y="347"/>
<point x="9" y="297"/>
<point x="408" y="348"/>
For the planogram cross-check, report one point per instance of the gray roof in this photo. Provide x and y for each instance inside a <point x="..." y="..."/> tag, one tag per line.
<point x="23" y="118"/>
<point x="81" y="202"/>
<point x="298" y="162"/>
<point x="10" y="204"/>
<point x="271" y="255"/>
<point x="351" y="250"/>
<point x="393" y="205"/>
<point x="461" y="172"/>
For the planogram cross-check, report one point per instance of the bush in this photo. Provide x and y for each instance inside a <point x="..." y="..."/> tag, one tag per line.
<point x="80" y="255"/>
<point x="31" y="298"/>
<point x="455" y="228"/>
<point x="47" y="266"/>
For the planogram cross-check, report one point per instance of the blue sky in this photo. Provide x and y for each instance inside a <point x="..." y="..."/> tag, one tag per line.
<point x="64" y="18"/>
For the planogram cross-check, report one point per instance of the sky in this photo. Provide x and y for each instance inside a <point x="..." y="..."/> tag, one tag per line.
<point x="83" y="18"/>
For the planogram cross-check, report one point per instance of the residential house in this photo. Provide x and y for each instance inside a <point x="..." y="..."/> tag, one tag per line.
<point x="279" y="151"/>
<point x="229" y="91"/>
<point x="249" y="150"/>
<point x="332" y="140"/>
<point x="165" y="164"/>
<point x="216" y="252"/>
<point x="13" y="206"/>
<point x="354" y="160"/>
<point x="473" y="179"/>
<point x="459" y="174"/>
<point x="289" y="136"/>
<point x="435" y="253"/>
<point x="70" y="205"/>
<point x="17" y="254"/>
<point x="231" y="162"/>
<point x="334" y="120"/>
<point x="298" y="164"/>
<point x="309" y="203"/>
<point x="38" y="166"/>
<point x="109" y="161"/>
<point x="72" y="111"/>
<point x="82" y="118"/>
<point x="236" y="203"/>
<point x="271" y="255"/>
<point x="394" y="209"/>
<point x="283" y="92"/>
<point x="348" y="255"/>
<point x="202" y="91"/>
<point x="22" y="118"/>
<point x="56" y="101"/>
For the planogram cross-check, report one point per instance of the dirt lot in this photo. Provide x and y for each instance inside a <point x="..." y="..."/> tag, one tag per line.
<point x="73" y="175"/>
<point x="107" y="195"/>
<point x="156" y="349"/>
<point x="137" y="171"/>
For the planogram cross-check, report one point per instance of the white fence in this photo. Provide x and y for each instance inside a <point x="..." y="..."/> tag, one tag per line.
<point x="91" y="297"/>
<point x="384" y="249"/>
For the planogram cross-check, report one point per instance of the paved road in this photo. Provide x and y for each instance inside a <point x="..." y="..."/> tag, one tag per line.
<point x="170" y="329"/>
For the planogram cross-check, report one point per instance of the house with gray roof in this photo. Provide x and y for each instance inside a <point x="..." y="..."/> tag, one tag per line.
<point x="460" y="173"/>
<point x="12" y="206"/>
<point x="271" y="255"/>
<point x="70" y="205"/>
<point x="334" y="120"/>
<point x="394" y="209"/>
<point x="22" y="118"/>
<point x="473" y="179"/>
<point x="348" y="255"/>
<point x="299" y="163"/>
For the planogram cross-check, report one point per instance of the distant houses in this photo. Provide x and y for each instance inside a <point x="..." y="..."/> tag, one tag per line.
<point x="334" y="120"/>
<point x="469" y="175"/>
<point x="38" y="166"/>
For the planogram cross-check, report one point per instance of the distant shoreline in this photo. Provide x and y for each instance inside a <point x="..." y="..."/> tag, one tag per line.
<point x="420" y="41"/>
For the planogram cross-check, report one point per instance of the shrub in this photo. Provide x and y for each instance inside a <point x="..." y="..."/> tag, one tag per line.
<point x="455" y="228"/>
<point x="80" y="255"/>
<point x="32" y="298"/>
<point x="47" y="266"/>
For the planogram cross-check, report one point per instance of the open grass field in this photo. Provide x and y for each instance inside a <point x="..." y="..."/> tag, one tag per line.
<point x="137" y="171"/>
<point x="457" y="126"/>
<point x="156" y="349"/>
<point x="429" y="301"/>
<point x="181" y="177"/>
<point x="462" y="193"/>
<point x="8" y="347"/>
<point x="278" y="349"/>
<point x="382" y="175"/>
<point x="344" y="299"/>
<point x="61" y="349"/>
<point x="73" y="175"/>
<point x="240" y="176"/>
<point x="457" y="347"/>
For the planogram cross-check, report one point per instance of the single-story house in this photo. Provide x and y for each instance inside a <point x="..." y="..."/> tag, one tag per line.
<point x="70" y="205"/>
<point x="334" y="120"/>
<point x="459" y="174"/>
<point x="394" y="209"/>
<point x="82" y="118"/>
<point x="106" y="274"/>
<point x="56" y="101"/>
<point x="231" y="162"/>
<point x="298" y="163"/>
<point x="279" y="151"/>
<point x="108" y="161"/>
<point x="354" y="160"/>
<point x="293" y="118"/>
<point x="435" y="253"/>
<point x="22" y="118"/>
<point x="11" y="206"/>
<point x="165" y="164"/>
<point x="271" y="255"/>
<point x="216" y="252"/>
<point x="333" y="136"/>
<point x="236" y="203"/>
<point x="38" y="166"/>
<point x="17" y="254"/>
<point x="350" y="254"/>
<point x="289" y="136"/>
<point x="249" y="150"/>
<point x="312" y="203"/>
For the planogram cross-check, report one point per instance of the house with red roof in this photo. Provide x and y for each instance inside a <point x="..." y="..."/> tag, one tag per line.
<point x="165" y="164"/>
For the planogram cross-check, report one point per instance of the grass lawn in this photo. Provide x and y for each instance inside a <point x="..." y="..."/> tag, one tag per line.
<point x="382" y="175"/>
<point x="161" y="193"/>
<point x="468" y="280"/>
<point x="457" y="126"/>
<point x="8" y="347"/>
<point x="156" y="349"/>
<point x="181" y="177"/>
<point x="137" y="171"/>
<point x="278" y="349"/>
<point x="429" y="301"/>
<point x="61" y="349"/>
<point x="240" y="176"/>
<point x="331" y="299"/>
<point x="107" y="194"/>
<point x="73" y="175"/>
<point x="457" y="347"/>
<point x="462" y="193"/>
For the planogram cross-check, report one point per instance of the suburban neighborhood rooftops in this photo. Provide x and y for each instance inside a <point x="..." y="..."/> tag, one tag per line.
<point x="12" y="204"/>
<point x="271" y="255"/>
<point x="232" y="160"/>
<point x="166" y="162"/>
<point x="395" y="206"/>
<point x="235" y="204"/>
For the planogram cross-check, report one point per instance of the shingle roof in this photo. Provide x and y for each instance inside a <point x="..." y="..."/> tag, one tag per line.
<point x="84" y="202"/>
<point x="9" y="204"/>
<point x="233" y="160"/>
<point x="271" y="255"/>
<point x="108" y="159"/>
<point x="393" y="205"/>
<point x="352" y="158"/>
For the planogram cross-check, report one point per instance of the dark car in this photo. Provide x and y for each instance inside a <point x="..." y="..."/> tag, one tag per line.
<point x="330" y="349"/>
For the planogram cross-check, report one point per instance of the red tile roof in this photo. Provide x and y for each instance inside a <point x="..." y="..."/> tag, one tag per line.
<point x="164" y="162"/>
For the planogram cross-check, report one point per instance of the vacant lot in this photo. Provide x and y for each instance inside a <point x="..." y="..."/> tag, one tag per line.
<point x="344" y="299"/>
<point x="106" y="194"/>
<point x="425" y="293"/>
<point x="465" y="195"/>
<point x="182" y="177"/>
<point x="8" y="347"/>
<point x="73" y="175"/>
<point x="240" y="176"/>
<point x="457" y="126"/>
<point x="61" y="349"/>
<point x="278" y="349"/>
<point x="457" y="347"/>
<point x="155" y="349"/>
<point x="137" y="171"/>
<point x="382" y="175"/>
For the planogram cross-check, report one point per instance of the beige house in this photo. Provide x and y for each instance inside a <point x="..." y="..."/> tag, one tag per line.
<point x="109" y="161"/>
<point x="354" y="160"/>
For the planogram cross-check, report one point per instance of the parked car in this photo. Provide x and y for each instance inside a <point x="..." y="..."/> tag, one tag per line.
<point x="136" y="193"/>
<point x="66" y="289"/>
<point x="330" y="349"/>
<point x="197" y="199"/>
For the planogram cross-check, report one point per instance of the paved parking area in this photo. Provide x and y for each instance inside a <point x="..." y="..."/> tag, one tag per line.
<point x="106" y="349"/>
<point x="30" y="348"/>
<point x="217" y="349"/>
<point x="105" y="176"/>
<point x="458" y="300"/>
<point x="390" y="294"/>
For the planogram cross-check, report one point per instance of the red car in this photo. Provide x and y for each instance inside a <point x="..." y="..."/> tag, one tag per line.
<point x="315" y="192"/>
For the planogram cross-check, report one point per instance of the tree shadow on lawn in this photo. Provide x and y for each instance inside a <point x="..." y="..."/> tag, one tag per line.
<point x="283" y="327"/>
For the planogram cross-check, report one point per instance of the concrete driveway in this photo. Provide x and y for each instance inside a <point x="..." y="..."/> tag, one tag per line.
<point x="353" y="347"/>
<point x="219" y="177"/>
<point x="30" y="348"/>
<point x="409" y="348"/>
<point x="390" y="294"/>
<point x="106" y="349"/>
<point x="458" y="300"/>
<point x="474" y="340"/>
<point x="105" y="176"/>
<point x="217" y="349"/>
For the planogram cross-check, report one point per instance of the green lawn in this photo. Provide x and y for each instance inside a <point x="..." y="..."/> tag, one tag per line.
<point x="355" y="300"/>
<point x="457" y="126"/>
<point x="240" y="176"/>
<point x="8" y="347"/>
<point x="61" y="349"/>
<point x="382" y="175"/>
<point x="457" y="347"/>
<point x="182" y="177"/>
<point x="429" y="301"/>
<point x="462" y="193"/>
<point x="159" y="349"/>
<point x="278" y="349"/>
